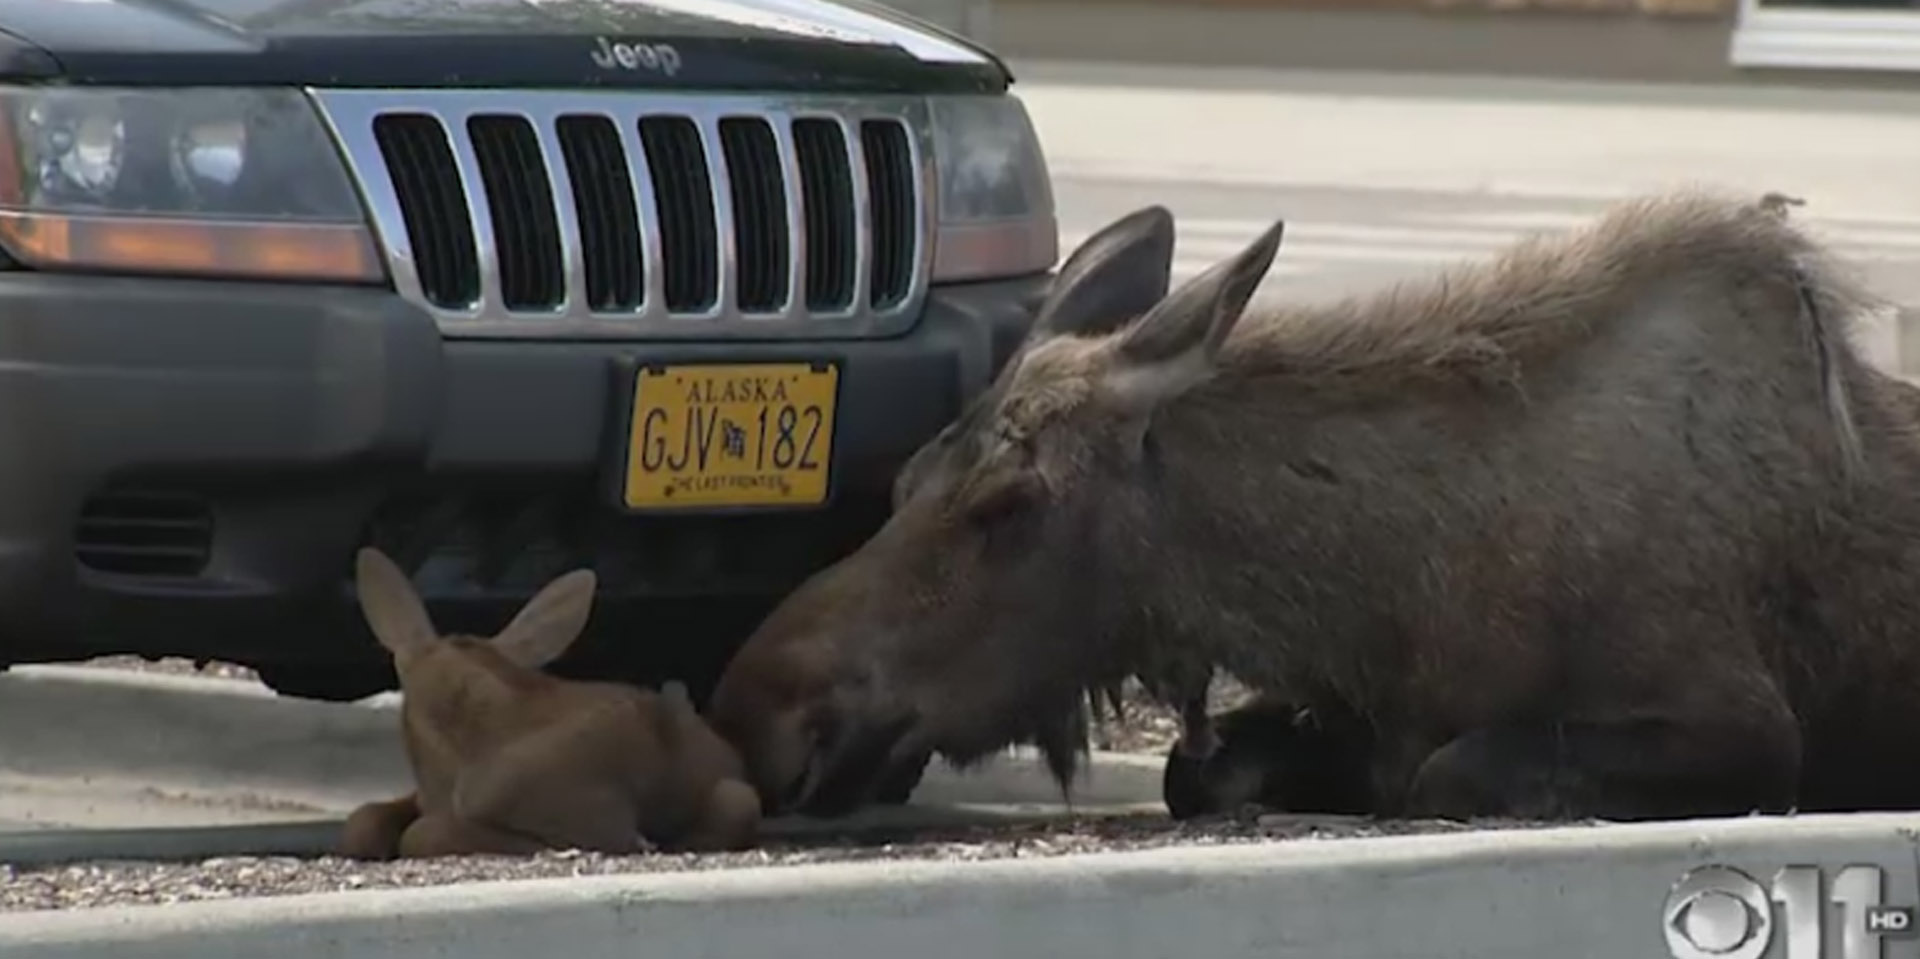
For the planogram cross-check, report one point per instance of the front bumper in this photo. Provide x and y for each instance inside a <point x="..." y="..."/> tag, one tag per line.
<point x="186" y="467"/>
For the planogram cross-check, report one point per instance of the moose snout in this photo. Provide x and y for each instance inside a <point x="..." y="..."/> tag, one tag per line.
<point x="817" y="758"/>
<point x="807" y="699"/>
<point x="852" y="751"/>
<point x="773" y="744"/>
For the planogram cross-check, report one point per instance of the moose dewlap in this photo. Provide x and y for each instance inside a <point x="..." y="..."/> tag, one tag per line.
<point x="510" y="760"/>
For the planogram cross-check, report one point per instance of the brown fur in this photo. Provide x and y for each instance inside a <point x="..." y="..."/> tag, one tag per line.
<point x="510" y="760"/>
<point x="1617" y="525"/>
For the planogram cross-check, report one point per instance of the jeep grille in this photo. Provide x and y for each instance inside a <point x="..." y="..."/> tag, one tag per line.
<point x="542" y="214"/>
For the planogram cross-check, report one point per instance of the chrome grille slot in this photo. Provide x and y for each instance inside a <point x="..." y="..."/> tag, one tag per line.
<point x="420" y="160"/>
<point x="890" y="187"/>
<point x="689" y="237"/>
<point x="555" y="214"/>
<point x="525" y="225"/>
<point x="759" y="212"/>
<point x="827" y="196"/>
<point x="603" y="202"/>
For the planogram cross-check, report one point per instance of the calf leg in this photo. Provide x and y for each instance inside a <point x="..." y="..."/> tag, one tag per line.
<point x="373" y="831"/>
<point x="576" y="813"/>
<point x="555" y="789"/>
<point x="445" y="835"/>
<point x="728" y="820"/>
<point x="1645" y="766"/>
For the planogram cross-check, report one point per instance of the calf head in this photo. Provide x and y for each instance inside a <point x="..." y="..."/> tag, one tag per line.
<point x="464" y="696"/>
<point x="510" y="759"/>
<point x="978" y="615"/>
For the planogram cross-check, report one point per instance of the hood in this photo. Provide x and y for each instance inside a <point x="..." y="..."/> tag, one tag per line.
<point x="768" y="45"/>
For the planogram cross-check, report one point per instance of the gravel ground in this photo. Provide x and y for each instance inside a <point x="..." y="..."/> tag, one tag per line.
<point x="178" y="667"/>
<point x="1145" y="726"/>
<point x="93" y="884"/>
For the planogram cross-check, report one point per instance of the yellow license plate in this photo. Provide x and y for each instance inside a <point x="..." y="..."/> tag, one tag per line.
<point x="731" y="435"/>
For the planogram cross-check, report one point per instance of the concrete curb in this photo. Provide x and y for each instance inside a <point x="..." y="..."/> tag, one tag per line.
<point x="1569" y="892"/>
<point x="293" y="768"/>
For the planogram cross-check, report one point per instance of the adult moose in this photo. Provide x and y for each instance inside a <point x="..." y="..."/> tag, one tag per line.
<point x="1618" y="525"/>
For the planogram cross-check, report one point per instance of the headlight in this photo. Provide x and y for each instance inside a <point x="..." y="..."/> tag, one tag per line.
<point x="995" y="205"/>
<point x="203" y="181"/>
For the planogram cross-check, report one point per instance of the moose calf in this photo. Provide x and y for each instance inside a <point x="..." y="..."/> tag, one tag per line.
<point x="509" y="760"/>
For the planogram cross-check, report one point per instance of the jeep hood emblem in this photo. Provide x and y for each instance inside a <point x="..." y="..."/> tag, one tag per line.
<point x="611" y="54"/>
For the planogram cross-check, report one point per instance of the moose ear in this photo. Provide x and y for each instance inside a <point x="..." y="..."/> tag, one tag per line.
<point x="1116" y="274"/>
<point x="550" y="622"/>
<point x="1174" y="344"/>
<point x="393" y="610"/>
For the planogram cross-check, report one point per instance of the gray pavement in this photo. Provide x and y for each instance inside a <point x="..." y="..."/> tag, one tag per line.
<point x="1387" y="177"/>
<point x="90" y="748"/>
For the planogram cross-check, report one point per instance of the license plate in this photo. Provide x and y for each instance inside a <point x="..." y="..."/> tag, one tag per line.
<point x="705" y="435"/>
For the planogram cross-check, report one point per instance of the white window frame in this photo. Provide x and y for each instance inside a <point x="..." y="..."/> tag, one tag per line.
<point x="1825" y="38"/>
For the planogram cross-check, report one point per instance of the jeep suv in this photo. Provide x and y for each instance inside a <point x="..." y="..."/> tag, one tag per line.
<point x="666" y="288"/>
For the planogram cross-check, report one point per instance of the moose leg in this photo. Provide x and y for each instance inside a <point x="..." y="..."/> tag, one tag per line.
<point x="1198" y="736"/>
<point x="1645" y="766"/>
<point x="1273" y="755"/>
<point x="902" y="780"/>
<point x="373" y="831"/>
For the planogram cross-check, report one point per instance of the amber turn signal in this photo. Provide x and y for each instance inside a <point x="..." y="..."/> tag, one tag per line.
<point x="338" y="252"/>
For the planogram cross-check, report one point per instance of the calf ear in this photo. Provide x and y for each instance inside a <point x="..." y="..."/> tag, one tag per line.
<point x="1173" y="346"/>
<point x="550" y="621"/>
<point x="393" y="610"/>
<point x="1116" y="274"/>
